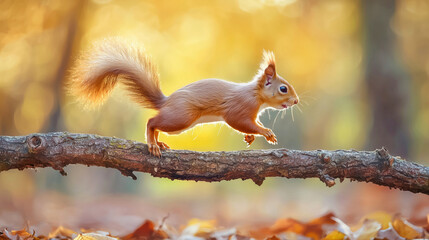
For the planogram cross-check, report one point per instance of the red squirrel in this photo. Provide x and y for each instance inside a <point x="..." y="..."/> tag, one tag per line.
<point x="210" y="100"/>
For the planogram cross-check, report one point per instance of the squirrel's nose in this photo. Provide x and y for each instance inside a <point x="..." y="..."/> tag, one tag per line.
<point x="295" y="101"/>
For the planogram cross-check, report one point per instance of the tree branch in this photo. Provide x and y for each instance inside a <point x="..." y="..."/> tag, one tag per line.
<point x="57" y="150"/>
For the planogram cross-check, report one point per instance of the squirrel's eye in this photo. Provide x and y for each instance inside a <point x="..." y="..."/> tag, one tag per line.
<point x="283" y="89"/>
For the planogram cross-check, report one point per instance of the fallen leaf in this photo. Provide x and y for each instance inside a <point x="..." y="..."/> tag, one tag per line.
<point x="199" y="228"/>
<point x="274" y="237"/>
<point x="312" y="229"/>
<point x="294" y="236"/>
<point x="368" y="230"/>
<point x="146" y="231"/>
<point x="7" y="234"/>
<point x="389" y="233"/>
<point x="427" y="226"/>
<point x="83" y="237"/>
<point x="204" y="225"/>
<point x="60" y="232"/>
<point x="224" y="234"/>
<point x="100" y="236"/>
<point x="344" y="228"/>
<point x="3" y="236"/>
<point x="22" y="233"/>
<point x="325" y="219"/>
<point x="381" y="217"/>
<point x="406" y="229"/>
<point x="94" y="236"/>
<point x="335" y="235"/>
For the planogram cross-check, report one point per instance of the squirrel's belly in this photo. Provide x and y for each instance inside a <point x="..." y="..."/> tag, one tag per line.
<point x="201" y="120"/>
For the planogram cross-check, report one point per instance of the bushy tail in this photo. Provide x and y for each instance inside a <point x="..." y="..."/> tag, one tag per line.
<point x="97" y="71"/>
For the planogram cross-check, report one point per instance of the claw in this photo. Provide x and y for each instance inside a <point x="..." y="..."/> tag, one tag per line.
<point x="154" y="150"/>
<point x="270" y="137"/>
<point x="163" y="146"/>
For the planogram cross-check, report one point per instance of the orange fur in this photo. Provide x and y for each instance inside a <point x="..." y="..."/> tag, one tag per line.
<point x="97" y="72"/>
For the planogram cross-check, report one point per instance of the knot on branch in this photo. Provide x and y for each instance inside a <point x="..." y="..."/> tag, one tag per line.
<point x="325" y="158"/>
<point x="35" y="143"/>
<point x="384" y="157"/>
<point x="382" y="154"/>
<point x="128" y="173"/>
<point x="258" y="180"/>
<point x="328" y="180"/>
<point x="60" y="169"/>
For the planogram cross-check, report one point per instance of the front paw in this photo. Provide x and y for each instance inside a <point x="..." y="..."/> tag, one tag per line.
<point x="270" y="137"/>
<point x="249" y="139"/>
<point x="154" y="150"/>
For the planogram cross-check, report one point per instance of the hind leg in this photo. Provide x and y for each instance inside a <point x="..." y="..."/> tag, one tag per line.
<point x="167" y="120"/>
<point x="150" y="139"/>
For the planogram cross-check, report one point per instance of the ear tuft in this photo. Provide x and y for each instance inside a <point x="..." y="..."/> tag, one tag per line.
<point x="268" y="59"/>
<point x="268" y="67"/>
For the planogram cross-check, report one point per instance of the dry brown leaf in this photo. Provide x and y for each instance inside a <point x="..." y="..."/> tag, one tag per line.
<point x="22" y="233"/>
<point x="406" y="229"/>
<point x="373" y="227"/>
<point x="94" y="236"/>
<point x="381" y="217"/>
<point x="199" y="228"/>
<point x="7" y="234"/>
<point x="427" y="226"/>
<point x="335" y="235"/>
<point x="61" y="232"/>
<point x="84" y="237"/>
<point x="3" y="236"/>
<point x="389" y="233"/>
<point x="312" y="229"/>
<point x="224" y="233"/>
<point x="274" y="237"/>
<point x="146" y="231"/>
<point x="368" y="230"/>
<point x="325" y="219"/>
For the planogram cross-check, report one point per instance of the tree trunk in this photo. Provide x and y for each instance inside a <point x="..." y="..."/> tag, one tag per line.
<point x="387" y="83"/>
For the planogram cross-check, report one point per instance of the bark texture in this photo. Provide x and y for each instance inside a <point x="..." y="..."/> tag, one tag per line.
<point x="58" y="150"/>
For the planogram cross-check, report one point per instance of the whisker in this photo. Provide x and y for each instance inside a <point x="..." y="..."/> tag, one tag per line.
<point x="291" y="111"/>
<point x="299" y="108"/>
<point x="220" y="127"/>
<point x="310" y="97"/>
<point x="305" y="102"/>
<point x="275" y="119"/>
<point x="283" y="114"/>
<point x="302" y="93"/>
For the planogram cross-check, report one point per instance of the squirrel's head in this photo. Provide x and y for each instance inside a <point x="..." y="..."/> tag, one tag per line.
<point x="274" y="90"/>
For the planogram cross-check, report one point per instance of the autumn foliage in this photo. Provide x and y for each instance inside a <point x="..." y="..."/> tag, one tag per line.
<point x="379" y="225"/>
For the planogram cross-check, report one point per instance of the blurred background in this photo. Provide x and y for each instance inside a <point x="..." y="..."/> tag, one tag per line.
<point x="361" y="69"/>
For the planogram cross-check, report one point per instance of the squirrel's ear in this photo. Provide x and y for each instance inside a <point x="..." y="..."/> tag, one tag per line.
<point x="270" y="72"/>
<point x="268" y="66"/>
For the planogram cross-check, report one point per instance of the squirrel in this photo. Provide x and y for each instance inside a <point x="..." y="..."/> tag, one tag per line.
<point x="210" y="100"/>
